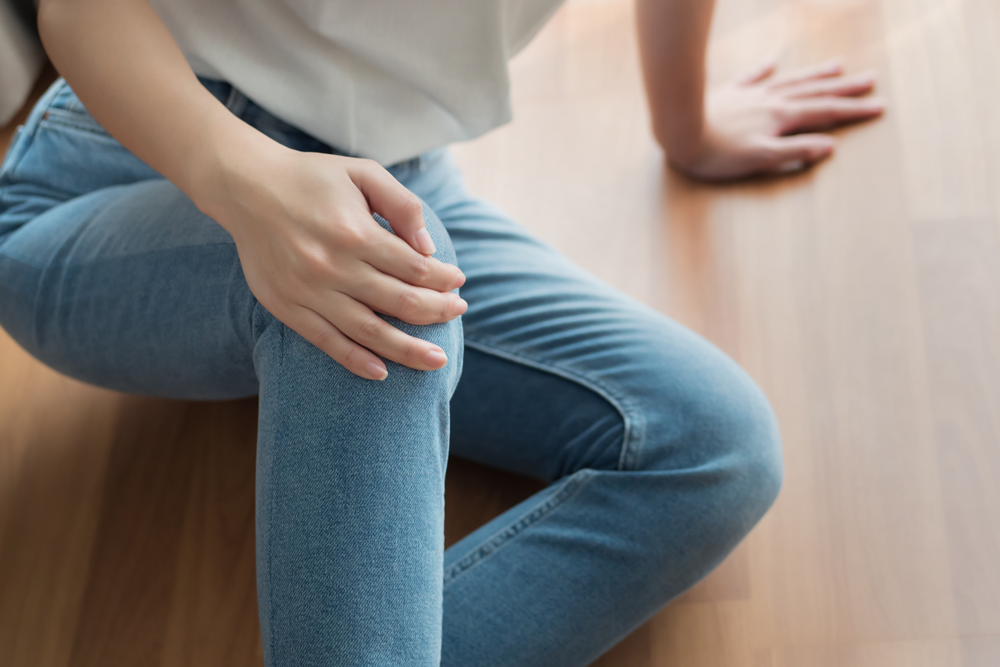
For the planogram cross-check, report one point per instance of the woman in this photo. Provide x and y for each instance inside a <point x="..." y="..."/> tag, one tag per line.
<point x="288" y="224"/>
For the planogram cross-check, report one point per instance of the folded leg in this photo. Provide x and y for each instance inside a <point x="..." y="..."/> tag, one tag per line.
<point x="661" y="451"/>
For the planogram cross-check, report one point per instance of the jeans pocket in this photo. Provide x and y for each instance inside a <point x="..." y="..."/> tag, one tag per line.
<point x="68" y="120"/>
<point x="66" y="111"/>
<point x="64" y="152"/>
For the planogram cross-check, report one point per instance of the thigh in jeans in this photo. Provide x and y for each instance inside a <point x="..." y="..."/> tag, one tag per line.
<point x="109" y="273"/>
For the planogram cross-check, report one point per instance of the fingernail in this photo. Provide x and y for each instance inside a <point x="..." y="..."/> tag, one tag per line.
<point x="460" y="306"/>
<point x="460" y="280"/>
<point x="424" y="242"/>
<point x="436" y="358"/>
<point x="376" y="371"/>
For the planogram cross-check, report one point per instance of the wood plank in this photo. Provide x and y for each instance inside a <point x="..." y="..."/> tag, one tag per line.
<point x="213" y="602"/>
<point x="54" y="440"/>
<point x="133" y="567"/>
<point x="959" y="278"/>
<point x="940" y="129"/>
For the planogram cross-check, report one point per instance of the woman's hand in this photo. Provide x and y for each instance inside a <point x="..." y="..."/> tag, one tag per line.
<point x="311" y="252"/>
<point x="753" y="124"/>
<point x="316" y="259"/>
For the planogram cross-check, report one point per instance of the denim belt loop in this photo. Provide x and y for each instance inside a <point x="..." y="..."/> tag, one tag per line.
<point x="236" y="102"/>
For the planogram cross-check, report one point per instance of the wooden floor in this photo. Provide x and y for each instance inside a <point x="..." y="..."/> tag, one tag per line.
<point x="864" y="297"/>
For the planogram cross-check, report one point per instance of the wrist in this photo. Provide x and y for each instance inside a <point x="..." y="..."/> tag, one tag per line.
<point x="685" y="143"/>
<point x="230" y="154"/>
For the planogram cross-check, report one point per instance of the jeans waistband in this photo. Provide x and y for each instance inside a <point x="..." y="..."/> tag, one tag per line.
<point x="249" y="111"/>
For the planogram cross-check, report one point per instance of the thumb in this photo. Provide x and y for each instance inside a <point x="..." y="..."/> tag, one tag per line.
<point x="762" y="70"/>
<point x="796" y="152"/>
<point x="387" y="197"/>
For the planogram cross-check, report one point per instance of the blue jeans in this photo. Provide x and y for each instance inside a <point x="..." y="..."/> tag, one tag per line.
<point x="660" y="452"/>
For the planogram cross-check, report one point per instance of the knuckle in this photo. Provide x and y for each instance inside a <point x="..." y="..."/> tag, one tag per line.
<point x="420" y="267"/>
<point x="768" y="156"/>
<point x="313" y="263"/>
<point x="446" y="309"/>
<point x="414" y="353"/>
<point x="353" y="358"/>
<point x="323" y="338"/>
<point x="370" y="330"/>
<point x="351" y="237"/>
<point x="413" y="208"/>
<point x="408" y="302"/>
<point x="783" y="112"/>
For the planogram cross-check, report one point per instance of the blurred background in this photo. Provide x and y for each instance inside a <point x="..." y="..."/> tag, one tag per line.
<point x="863" y="295"/>
<point x="21" y="55"/>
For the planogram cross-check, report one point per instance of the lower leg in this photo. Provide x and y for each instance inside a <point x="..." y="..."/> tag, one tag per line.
<point x="350" y="505"/>
<point x="652" y="492"/>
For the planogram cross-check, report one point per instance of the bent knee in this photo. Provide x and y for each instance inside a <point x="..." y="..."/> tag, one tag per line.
<point x="750" y="447"/>
<point x="278" y="350"/>
<point x="443" y="249"/>
<point x="275" y="340"/>
<point x="723" y="436"/>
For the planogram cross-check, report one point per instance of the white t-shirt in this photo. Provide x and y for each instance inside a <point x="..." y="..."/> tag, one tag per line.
<point x="385" y="79"/>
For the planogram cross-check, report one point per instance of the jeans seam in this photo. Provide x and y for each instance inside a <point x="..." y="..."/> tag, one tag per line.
<point x="571" y="486"/>
<point x="61" y="119"/>
<point x="7" y="169"/>
<point x="270" y="560"/>
<point x="17" y="257"/>
<point x="632" y="435"/>
<point x="30" y="127"/>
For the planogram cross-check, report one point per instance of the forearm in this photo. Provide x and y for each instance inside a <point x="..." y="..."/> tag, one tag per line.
<point x="126" y="68"/>
<point x="673" y="40"/>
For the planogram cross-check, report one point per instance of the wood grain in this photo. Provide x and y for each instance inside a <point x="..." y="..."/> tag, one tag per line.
<point x="863" y="295"/>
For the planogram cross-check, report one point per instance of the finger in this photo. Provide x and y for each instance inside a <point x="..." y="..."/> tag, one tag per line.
<point x="759" y="72"/>
<point x="824" y="112"/>
<point x="841" y="86"/>
<point x="339" y="347"/>
<point x="414" y="305"/>
<point x="387" y="197"/>
<point x="394" y="257"/>
<point x="823" y="70"/>
<point x="784" y="154"/>
<point x="359" y="323"/>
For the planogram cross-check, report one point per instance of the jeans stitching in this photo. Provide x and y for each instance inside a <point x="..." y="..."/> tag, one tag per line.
<point x="498" y="540"/>
<point x="270" y="560"/>
<point x="30" y="126"/>
<point x="633" y="431"/>
<point x="61" y="119"/>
